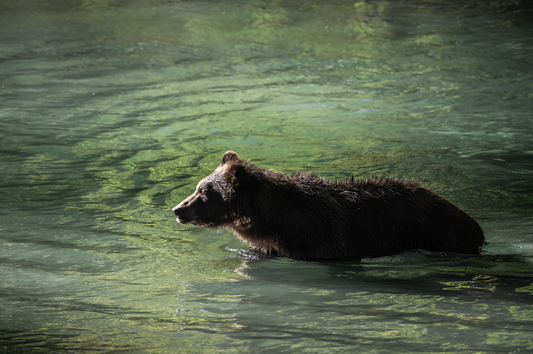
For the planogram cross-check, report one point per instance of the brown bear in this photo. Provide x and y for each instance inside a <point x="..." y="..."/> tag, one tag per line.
<point x="304" y="216"/>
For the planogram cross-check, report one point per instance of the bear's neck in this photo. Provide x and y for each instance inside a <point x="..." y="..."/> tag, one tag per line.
<point x="265" y="210"/>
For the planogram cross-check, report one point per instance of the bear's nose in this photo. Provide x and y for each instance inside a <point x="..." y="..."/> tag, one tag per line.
<point x="175" y="210"/>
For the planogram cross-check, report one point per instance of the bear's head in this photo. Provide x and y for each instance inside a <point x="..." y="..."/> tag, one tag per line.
<point x="210" y="204"/>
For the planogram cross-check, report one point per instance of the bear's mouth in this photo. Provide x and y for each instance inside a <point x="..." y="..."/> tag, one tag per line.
<point x="180" y="215"/>
<point x="183" y="221"/>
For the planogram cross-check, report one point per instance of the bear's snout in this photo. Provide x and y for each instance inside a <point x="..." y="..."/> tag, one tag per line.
<point x="176" y="211"/>
<point x="186" y="210"/>
<point x="183" y="215"/>
<point x="180" y="211"/>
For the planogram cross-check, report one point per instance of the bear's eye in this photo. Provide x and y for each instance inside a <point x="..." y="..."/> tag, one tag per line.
<point x="207" y="188"/>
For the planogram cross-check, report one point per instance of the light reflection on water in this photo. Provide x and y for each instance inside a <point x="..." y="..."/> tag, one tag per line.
<point x="111" y="113"/>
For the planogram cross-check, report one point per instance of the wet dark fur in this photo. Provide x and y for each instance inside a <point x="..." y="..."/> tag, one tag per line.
<point x="307" y="217"/>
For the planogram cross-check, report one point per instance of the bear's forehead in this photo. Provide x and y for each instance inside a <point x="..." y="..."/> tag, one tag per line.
<point x="217" y="179"/>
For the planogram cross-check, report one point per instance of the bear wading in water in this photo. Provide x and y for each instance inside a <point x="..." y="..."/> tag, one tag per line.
<point x="307" y="217"/>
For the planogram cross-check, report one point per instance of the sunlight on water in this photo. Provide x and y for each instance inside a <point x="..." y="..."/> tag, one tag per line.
<point x="111" y="112"/>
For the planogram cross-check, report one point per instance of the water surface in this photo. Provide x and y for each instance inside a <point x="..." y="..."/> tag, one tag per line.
<point x="110" y="113"/>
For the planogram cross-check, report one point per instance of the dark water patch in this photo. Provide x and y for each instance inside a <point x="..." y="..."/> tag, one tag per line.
<point x="372" y="304"/>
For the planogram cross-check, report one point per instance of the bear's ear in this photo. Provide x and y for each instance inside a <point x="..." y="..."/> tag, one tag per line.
<point x="229" y="156"/>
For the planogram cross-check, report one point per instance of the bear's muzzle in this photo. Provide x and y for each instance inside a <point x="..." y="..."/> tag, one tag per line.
<point x="186" y="210"/>
<point x="176" y="212"/>
<point x="181" y="214"/>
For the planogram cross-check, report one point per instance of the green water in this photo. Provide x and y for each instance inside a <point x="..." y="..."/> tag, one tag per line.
<point x="111" y="111"/>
